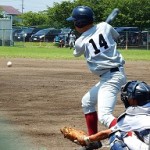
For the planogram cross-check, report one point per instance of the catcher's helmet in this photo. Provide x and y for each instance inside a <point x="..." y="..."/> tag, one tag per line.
<point x="82" y="16"/>
<point x="137" y="90"/>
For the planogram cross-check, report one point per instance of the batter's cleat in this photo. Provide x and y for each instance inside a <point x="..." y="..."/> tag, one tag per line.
<point x="91" y="146"/>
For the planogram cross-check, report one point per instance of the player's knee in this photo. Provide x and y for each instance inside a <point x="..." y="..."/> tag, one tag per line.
<point x="84" y="101"/>
<point x="105" y="118"/>
<point x="87" y="101"/>
<point x="101" y="118"/>
<point x="87" y="104"/>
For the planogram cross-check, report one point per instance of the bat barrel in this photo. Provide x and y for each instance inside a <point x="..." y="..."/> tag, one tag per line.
<point x="113" y="15"/>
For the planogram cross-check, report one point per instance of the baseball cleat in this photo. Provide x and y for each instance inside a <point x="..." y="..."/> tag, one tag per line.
<point x="91" y="146"/>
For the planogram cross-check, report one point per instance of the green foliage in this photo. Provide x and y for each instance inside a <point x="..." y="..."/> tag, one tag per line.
<point x="33" y="19"/>
<point x="59" y="13"/>
<point x="133" y="13"/>
<point x="1" y="16"/>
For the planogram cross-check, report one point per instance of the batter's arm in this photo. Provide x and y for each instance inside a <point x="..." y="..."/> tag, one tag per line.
<point x="112" y="16"/>
<point x="79" y="48"/>
<point x="114" y="34"/>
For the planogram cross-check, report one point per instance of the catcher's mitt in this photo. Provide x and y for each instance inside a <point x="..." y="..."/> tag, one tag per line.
<point x="77" y="136"/>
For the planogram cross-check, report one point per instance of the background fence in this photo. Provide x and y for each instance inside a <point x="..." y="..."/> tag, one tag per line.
<point x="134" y="40"/>
<point x="6" y="37"/>
<point x="127" y="40"/>
<point x="6" y="31"/>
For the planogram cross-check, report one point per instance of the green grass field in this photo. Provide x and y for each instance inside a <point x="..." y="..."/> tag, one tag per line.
<point x="51" y="51"/>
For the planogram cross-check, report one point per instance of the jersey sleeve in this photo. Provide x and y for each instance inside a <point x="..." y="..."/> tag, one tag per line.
<point x="79" y="48"/>
<point x="114" y="33"/>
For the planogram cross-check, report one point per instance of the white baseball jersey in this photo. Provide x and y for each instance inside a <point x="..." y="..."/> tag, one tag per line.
<point x="99" y="48"/>
<point x="138" y="121"/>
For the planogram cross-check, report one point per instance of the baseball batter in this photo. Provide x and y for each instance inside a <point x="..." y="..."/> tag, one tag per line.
<point x="97" y="44"/>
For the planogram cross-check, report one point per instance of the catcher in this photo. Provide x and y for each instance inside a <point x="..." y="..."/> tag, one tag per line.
<point x="132" y="131"/>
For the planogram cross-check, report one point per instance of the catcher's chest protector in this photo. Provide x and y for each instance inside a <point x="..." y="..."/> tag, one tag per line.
<point x="133" y="111"/>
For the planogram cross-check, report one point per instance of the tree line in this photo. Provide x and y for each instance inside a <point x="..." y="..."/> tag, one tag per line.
<point x="133" y="13"/>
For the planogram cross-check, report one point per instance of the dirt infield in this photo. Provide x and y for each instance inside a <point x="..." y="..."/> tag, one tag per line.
<point x="38" y="97"/>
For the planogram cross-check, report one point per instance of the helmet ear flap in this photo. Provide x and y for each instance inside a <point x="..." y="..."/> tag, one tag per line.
<point x="134" y="89"/>
<point x="124" y="95"/>
<point x="142" y="93"/>
<point x="82" y="23"/>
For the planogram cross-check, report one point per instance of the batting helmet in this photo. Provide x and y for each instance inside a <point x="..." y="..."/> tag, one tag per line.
<point x="82" y="16"/>
<point x="136" y="90"/>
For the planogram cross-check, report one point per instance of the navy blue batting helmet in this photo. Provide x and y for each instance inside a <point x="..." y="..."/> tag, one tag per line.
<point x="137" y="90"/>
<point x="82" y="16"/>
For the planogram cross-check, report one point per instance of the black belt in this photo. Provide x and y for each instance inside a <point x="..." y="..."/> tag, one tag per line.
<point x="114" y="69"/>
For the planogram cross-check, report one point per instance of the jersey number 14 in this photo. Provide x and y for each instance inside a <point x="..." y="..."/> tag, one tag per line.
<point x="102" y="44"/>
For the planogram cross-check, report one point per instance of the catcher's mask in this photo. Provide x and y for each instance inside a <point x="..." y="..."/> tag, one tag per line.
<point x="137" y="90"/>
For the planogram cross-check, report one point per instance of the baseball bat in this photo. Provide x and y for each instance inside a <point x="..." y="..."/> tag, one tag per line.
<point x="112" y="15"/>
